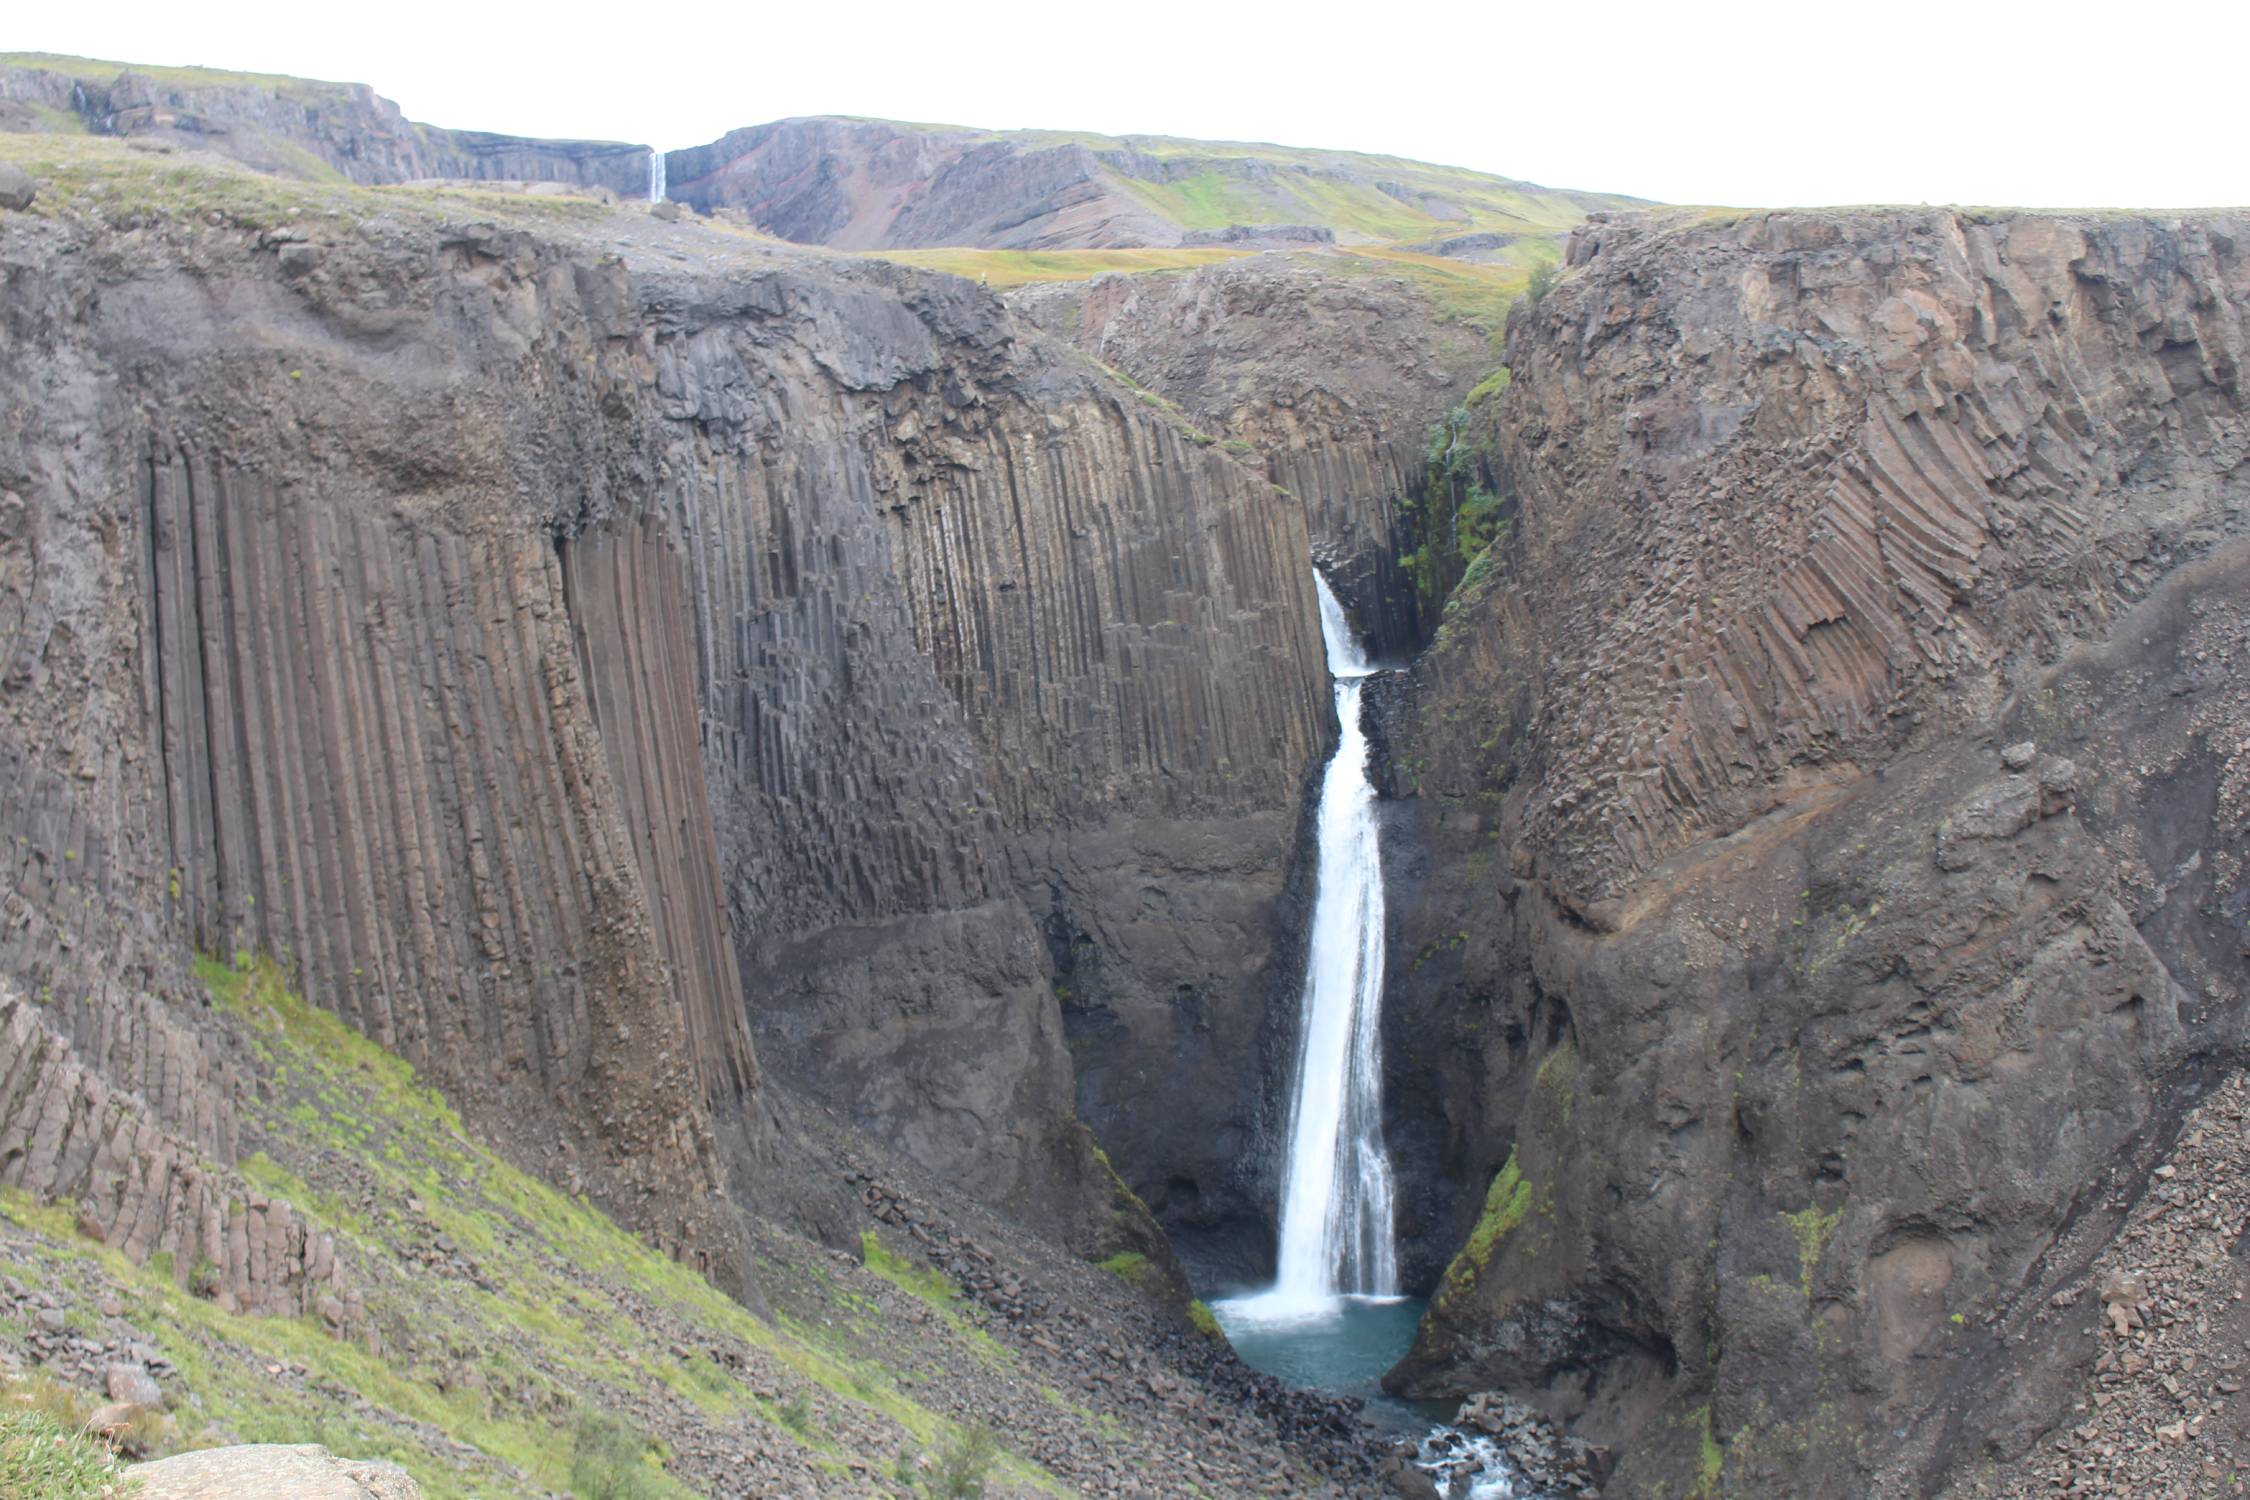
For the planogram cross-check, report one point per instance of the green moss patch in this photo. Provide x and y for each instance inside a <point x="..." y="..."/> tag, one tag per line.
<point x="1506" y="1205"/>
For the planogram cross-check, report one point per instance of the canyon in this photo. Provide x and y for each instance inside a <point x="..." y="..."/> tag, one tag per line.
<point x="775" y="784"/>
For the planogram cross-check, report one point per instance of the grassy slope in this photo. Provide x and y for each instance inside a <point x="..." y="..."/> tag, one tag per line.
<point x="101" y="179"/>
<point x="1314" y="186"/>
<point x="484" y="1375"/>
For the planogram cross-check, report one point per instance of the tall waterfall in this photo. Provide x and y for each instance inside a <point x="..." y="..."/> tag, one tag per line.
<point x="655" y="175"/>
<point x="1336" y="1201"/>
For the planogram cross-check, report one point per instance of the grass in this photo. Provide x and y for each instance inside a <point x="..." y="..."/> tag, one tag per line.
<point x="1812" y="1230"/>
<point x="1476" y="294"/>
<point x="1202" y="200"/>
<point x="962" y="1472"/>
<point x="565" y="1313"/>
<point x="1132" y="1268"/>
<point x="933" y="1287"/>
<point x="59" y="121"/>
<point x="1213" y="183"/>
<point x="40" y="1457"/>
<point x="1006" y="268"/>
<point x="1711" y="1459"/>
<point x="611" y="1460"/>
<point x="101" y="180"/>
<point x="1485" y="389"/>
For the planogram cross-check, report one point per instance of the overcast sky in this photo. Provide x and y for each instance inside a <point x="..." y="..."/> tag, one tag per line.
<point x="1739" y="103"/>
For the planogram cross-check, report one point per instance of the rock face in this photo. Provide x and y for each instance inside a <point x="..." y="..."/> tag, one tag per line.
<point x="565" y="669"/>
<point x="1828" y="811"/>
<point x="295" y="127"/>
<point x="1333" y="380"/>
<point x="867" y="184"/>
<point x="1179" y="948"/>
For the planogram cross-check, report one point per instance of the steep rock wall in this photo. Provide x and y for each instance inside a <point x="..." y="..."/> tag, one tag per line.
<point x="1180" y="946"/>
<point x="555" y="658"/>
<point x="343" y="722"/>
<point x="1335" y="382"/>
<point x="1831" y="890"/>
<point x="869" y="184"/>
<point x="978" y="626"/>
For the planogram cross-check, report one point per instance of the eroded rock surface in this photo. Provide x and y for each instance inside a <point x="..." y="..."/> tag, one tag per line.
<point x="1830" y="812"/>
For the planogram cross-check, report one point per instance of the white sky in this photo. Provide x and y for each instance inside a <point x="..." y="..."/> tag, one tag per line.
<point x="1734" y="101"/>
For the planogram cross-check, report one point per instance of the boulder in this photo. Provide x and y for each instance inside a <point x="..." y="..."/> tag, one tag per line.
<point x="16" y="187"/>
<point x="272" y="1471"/>
<point x="132" y="1384"/>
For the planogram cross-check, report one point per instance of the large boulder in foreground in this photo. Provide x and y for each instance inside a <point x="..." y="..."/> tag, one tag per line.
<point x="16" y="187"/>
<point x="272" y="1471"/>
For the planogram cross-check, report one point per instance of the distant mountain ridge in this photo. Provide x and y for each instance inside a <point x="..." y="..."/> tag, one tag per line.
<point x="866" y="184"/>
<point x="846" y="182"/>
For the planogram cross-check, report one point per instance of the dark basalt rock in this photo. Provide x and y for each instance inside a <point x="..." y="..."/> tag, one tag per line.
<point x="1829" y="809"/>
<point x="568" y="671"/>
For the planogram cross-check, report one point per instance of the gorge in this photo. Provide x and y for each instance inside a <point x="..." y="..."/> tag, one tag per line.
<point x="737" y="802"/>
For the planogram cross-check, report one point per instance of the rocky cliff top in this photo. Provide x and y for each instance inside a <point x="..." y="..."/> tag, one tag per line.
<point x="293" y="127"/>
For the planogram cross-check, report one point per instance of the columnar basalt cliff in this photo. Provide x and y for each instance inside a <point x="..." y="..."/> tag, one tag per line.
<point x="1832" y="803"/>
<point x="980" y="616"/>
<point x="565" y="668"/>
<point x="1333" y="377"/>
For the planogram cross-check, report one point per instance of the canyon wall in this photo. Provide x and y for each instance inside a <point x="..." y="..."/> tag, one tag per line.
<point x="1828" y="808"/>
<point x="1333" y="376"/>
<point x="568" y="667"/>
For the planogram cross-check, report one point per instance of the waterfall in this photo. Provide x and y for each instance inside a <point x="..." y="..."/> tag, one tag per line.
<point x="1336" y="1200"/>
<point x="655" y="176"/>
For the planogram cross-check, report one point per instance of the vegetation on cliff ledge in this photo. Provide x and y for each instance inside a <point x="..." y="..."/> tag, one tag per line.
<point x="1507" y="1203"/>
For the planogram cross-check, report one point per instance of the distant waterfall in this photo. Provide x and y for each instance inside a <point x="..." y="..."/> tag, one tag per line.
<point x="655" y="176"/>
<point x="1336" y="1202"/>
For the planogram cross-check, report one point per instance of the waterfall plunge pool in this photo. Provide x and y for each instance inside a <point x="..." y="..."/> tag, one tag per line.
<point x="1341" y="1345"/>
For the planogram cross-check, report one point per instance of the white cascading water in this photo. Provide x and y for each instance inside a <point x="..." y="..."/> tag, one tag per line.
<point x="655" y="176"/>
<point x="1336" y="1199"/>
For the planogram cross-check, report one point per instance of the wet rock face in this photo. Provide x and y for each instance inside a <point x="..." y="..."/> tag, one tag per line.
<point x="1831" y="820"/>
